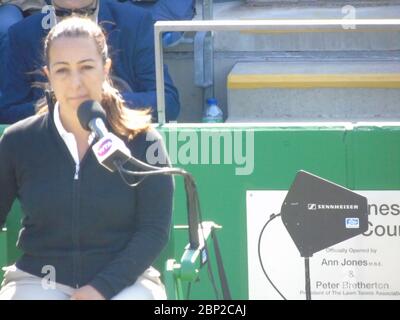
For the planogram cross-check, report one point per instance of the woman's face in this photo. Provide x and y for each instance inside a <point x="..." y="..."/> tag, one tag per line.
<point x="76" y="71"/>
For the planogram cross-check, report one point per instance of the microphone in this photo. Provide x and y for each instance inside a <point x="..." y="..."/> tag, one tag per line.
<point x="92" y="117"/>
<point x="109" y="148"/>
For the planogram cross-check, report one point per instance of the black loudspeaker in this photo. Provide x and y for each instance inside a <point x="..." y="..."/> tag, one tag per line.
<point x="318" y="213"/>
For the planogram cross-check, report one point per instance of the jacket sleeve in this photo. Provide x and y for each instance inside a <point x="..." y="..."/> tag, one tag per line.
<point x="144" y="67"/>
<point x="154" y="197"/>
<point x="17" y="99"/>
<point x="8" y="184"/>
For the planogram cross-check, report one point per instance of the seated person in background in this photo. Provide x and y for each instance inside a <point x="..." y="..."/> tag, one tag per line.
<point x="169" y="10"/>
<point x="11" y="12"/>
<point x="129" y="31"/>
<point x="95" y="235"/>
<point x="26" y="6"/>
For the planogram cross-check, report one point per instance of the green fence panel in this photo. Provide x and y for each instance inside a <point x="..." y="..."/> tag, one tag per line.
<point x="374" y="158"/>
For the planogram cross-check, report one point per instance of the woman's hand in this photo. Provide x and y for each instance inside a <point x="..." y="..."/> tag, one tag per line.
<point x="87" y="293"/>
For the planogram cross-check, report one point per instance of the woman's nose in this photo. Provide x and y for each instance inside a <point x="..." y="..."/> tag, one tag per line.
<point x="76" y="80"/>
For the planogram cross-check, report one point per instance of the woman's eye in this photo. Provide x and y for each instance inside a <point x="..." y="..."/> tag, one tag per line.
<point x="63" y="70"/>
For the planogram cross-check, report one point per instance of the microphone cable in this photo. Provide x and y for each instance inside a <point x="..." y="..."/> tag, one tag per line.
<point x="192" y="201"/>
<point x="272" y="217"/>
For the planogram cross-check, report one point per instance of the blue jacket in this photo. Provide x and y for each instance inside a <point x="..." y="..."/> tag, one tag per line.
<point x="130" y="38"/>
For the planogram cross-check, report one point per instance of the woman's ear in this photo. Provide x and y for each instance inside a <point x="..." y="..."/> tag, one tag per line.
<point x="107" y="67"/>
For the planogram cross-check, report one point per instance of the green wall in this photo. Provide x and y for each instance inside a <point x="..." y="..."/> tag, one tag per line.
<point x="358" y="158"/>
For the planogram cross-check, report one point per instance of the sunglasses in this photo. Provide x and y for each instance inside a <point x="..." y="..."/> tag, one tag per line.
<point x="86" y="11"/>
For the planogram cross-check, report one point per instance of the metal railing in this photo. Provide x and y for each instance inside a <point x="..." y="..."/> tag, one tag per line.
<point x="255" y="25"/>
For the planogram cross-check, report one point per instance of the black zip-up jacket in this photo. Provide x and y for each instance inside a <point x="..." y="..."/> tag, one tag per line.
<point x="92" y="228"/>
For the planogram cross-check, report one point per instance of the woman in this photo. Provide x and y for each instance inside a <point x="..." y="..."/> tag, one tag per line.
<point x="85" y="234"/>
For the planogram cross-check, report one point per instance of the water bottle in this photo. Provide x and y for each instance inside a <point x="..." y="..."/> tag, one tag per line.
<point x="212" y="113"/>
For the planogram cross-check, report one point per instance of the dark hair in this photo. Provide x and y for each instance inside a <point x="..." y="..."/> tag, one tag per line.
<point x="123" y="120"/>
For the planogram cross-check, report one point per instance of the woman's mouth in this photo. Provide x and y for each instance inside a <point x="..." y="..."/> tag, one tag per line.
<point x="79" y="98"/>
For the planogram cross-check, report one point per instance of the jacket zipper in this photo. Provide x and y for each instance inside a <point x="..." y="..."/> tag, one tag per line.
<point x="75" y="206"/>
<point x="75" y="231"/>
<point x="75" y="225"/>
<point x="75" y="216"/>
<point x="76" y="176"/>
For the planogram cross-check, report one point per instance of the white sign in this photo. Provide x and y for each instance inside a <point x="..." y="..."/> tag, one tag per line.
<point x="364" y="267"/>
